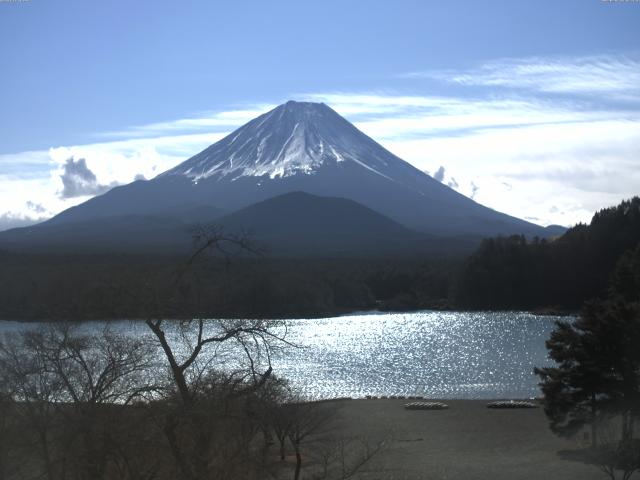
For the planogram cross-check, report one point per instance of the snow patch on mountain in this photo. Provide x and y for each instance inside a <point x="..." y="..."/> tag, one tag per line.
<point x="294" y="138"/>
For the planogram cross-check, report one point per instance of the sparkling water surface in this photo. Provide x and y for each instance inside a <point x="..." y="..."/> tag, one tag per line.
<point x="432" y="354"/>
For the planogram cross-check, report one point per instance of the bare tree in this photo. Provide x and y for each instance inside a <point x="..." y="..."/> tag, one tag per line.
<point x="307" y="420"/>
<point x="256" y="338"/>
<point x="69" y="388"/>
<point x="615" y="454"/>
<point x="312" y="430"/>
<point x="8" y="428"/>
<point x="34" y="392"/>
<point x="197" y="351"/>
<point x="93" y="369"/>
<point x="345" y="457"/>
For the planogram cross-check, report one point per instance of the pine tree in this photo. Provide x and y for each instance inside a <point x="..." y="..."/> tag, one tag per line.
<point x="598" y="360"/>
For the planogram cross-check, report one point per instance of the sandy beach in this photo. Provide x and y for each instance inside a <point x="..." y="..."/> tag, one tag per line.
<point x="466" y="441"/>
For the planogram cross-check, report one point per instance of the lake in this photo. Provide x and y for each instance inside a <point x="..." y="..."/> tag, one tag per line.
<point x="433" y="354"/>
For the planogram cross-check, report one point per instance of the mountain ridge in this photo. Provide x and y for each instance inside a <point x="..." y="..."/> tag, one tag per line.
<point x="301" y="224"/>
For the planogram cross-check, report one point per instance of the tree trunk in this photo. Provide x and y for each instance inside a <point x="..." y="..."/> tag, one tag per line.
<point x="176" y="370"/>
<point x="46" y="454"/>
<point x="627" y="426"/>
<point x="594" y="431"/>
<point x="170" y="427"/>
<point x="282" y="449"/>
<point x="298" y="463"/>
<point x="3" y="474"/>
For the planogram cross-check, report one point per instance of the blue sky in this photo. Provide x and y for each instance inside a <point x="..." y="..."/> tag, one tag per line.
<point x="531" y="107"/>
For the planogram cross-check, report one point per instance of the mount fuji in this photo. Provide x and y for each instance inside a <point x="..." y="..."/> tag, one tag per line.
<point x="296" y="147"/>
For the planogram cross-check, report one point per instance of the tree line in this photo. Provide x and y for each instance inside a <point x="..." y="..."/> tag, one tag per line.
<point x="517" y="273"/>
<point x="503" y="273"/>
<point x="47" y="287"/>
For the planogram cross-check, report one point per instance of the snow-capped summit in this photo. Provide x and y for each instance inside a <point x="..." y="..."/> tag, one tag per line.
<point x="302" y="147"/>
<point x="293" y="138"/>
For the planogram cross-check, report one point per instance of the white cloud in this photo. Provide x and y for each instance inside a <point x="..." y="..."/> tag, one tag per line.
<point x="123" y="160"/>
<point x="523" y="171"/>
<point x="15" y="220"/>
<point x="34" y="177"/>
<point x="557" y="158"/>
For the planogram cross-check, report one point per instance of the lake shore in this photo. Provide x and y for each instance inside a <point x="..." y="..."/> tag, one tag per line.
<point x="466" y="441"/>
<point x="546" y="312"/>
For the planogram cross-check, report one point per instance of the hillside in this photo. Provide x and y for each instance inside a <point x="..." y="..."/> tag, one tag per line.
<point x="515" y="273"/>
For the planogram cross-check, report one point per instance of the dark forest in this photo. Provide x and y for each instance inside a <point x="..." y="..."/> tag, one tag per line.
<point x="504" y="273"/>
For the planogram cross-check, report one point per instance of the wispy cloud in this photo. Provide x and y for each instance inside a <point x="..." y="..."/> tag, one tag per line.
<point x="391" y="117"/>
<point x="618" y="75"/>
<point x="24" y="165"/>
<point x="202" y="122"/>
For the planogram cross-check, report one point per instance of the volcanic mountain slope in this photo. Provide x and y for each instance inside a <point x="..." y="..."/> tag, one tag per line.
<point x="140" y="234"/>
<point x="296" y="147"/>
<point x="295" y="224"/>
<point x="304" y="147"/>
<point x="300" y="224"/>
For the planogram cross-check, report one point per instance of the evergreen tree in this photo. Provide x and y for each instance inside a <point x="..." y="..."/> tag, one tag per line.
<point x="598" y="359"/>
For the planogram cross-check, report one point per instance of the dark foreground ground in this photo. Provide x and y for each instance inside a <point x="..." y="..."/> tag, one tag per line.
<point x="467" y="441"/>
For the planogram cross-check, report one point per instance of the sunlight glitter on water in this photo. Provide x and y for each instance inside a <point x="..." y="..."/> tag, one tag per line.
<point x="431" y="354"/>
